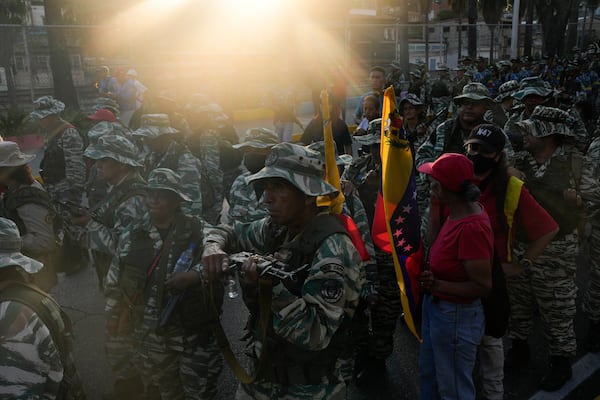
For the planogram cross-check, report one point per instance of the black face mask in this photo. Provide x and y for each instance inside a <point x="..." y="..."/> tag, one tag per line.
<point x="254" y="162"/>
<point x="480" y="163"/>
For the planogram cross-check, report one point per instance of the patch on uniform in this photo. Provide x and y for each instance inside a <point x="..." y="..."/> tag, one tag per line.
<point x="331" y="291"/>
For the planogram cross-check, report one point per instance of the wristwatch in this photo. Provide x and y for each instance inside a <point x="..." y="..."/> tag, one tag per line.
<point x="525" y="262"/>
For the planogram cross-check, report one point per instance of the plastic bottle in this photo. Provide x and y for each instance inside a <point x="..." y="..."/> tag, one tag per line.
<point x="185" y="260"/>
<point x="232" y="291"/>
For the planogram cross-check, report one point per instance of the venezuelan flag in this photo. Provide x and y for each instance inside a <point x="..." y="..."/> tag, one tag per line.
<point x="396" y="224"/>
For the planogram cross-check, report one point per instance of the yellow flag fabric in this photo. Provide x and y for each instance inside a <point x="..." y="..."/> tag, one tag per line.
<point x="398" y="198"/>
<point x="332" y="175"/>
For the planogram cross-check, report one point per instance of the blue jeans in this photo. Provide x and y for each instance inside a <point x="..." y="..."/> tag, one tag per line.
<point x="451" y="333"/>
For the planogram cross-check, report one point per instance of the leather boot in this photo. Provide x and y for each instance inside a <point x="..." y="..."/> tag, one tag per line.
<point x="594" y="337"/>
<point x="560" y="372"/>
<point x="518" y="355"/>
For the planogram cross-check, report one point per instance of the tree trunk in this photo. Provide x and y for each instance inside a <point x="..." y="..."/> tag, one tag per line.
<point x="6" y="52"/>
<point x="472" y="14"/>
<point x="403" y="31"/>
<point x="492" y="30"/>
<point x="572" y="27"/>
<point x="60" y="62"/>
<point x="459" y="36"/>
<point x="528" y="29"/>
<point x="427" y="35"/>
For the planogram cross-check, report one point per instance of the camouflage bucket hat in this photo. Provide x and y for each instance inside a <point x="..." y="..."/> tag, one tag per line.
<point x="507" y="89"/>
<point x="546" y="121"/>
<point x="100" y="129"/>
<point x="166" y="179"/>
<point x="107" y="104"/>
<point x="474" y="91"/>
<point x="154" y="125"/>
<point x="115" y="147"/>
<point x="45" y="106"/>
<point x="373" y="135"/>
<point x="412" y="99"/>
<point x="302" y="167"/>
<point x="319" y="147"/>
<point x="258" y="138"/>
<point x="10" y="248"/>
<point x="533" y="86"/>
<point x="11" y="155"/>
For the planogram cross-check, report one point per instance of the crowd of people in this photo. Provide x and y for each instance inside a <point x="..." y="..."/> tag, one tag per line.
<point x="507" y="191"/>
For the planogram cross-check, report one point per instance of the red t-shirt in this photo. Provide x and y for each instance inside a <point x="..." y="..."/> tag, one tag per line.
<point x="529" y="217"/>
<point x="469" y="238"/>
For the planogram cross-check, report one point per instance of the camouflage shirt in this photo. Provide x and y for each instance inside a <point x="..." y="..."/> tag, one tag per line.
<point x="181" y="160"/>
<point x="31" y="364"/>
<point x="243" y="204"/>
<point x="103" y="231"/>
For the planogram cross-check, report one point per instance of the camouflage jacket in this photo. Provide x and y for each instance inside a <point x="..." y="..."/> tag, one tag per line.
<point x="30" y="359"/>
<point x="181" y="160"/>
<point x="328" y="296"/>
<point x="117" y="211"/>
<point x="243" y="204"/>
<point x="67" y="139"/>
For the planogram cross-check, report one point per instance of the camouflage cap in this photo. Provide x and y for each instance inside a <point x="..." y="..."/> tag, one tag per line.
<point x="166" y="179"/>
<point x="154" y="125"/>
<point x="412" y="99"/>
<point x="507" y="89"/>
<point x="546" y="121"/>
<point x="11" y="155"/>
<point x="302" y="167"/>
<point x="504" y="63"/>
<point x="115" y="147"/>
<point x="474" y="91"/>
<point x="373" y="135"/>
<point x="258" y="138"/>
<point x="45" y="106"/>
<point x="319" y="147"/>
<point x="533" y="85"/>
<point x="443" y="67"/>
<point x="10" y="248"/>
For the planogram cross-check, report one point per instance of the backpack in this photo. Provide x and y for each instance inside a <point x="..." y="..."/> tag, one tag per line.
<point x="59" y="325"/>
<point x="496" y="305"/>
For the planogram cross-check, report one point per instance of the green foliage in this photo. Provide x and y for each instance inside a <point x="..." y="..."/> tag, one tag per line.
<point x="12" y="11"/>
<point x="444" y="15"/>
<point x="12" y="122"/>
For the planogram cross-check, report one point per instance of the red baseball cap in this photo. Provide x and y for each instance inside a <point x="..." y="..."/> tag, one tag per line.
<point x="102" y="114"/>
<point x="451" y="170"/>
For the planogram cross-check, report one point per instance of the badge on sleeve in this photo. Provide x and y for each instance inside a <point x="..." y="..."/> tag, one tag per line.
<point x="332" y="291"/>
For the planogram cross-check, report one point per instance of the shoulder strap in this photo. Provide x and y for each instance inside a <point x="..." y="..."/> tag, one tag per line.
<point x="46" y="308"/>
<point x="511" y="202"/>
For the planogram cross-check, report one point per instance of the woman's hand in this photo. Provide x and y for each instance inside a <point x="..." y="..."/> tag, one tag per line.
<point x="428" y="281"/>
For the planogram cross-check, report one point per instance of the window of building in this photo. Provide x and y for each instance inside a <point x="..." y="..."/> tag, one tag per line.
<point x="75" y="61"/>
<point x="41" y="63"/>
<point x="20" y="64"/>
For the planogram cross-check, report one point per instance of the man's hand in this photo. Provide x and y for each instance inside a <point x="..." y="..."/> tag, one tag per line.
<point x="81" y="217"/>
<point x="348" y="188"/>
<point x="214" y="260"/>
<point x="250" y="270"/>
<point x="427" y="281"/>
<point x="512" y="270"/>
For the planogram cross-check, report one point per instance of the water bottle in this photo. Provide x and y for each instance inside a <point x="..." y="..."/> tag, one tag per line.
<point x="185" y="260"/>
<point x="232" y="291"/>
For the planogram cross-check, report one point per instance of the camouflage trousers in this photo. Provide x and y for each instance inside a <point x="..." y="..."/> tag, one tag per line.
<point x="386" y="310"/>
<point x="591" y="298"/>
<point x="264" y="390"/>
<point x="550" y="286"/>
<point x="120" y="353"/>
<point x="182" y="367"/>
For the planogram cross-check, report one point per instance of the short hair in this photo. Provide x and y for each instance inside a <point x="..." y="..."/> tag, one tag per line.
<point x="378" y="69"/>
<point x="372" y="99"/>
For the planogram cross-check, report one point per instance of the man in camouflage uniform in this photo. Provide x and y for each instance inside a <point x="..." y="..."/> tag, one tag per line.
<point x="363" y="176"/>
<point x="211" y="138"/>
<point x="116" y="161"/>
<point x="176" y="349"/>
<point x="62" y="167"/>
<point x="166" y="152"/>
<point x="591" y="298"/>
<point x="440" y="91"/>
<point x="561" y="180"/>
<point x="245" y="203"/>
<point x="35" y="351"/>
<point x="308" y="318"/>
